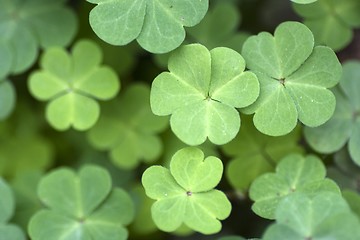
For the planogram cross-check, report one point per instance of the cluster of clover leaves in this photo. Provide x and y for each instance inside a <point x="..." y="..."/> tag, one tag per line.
<point x="282" y="79"/>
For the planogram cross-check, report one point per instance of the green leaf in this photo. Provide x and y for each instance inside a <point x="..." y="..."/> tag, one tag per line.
<point x="331" y="21"/>
<point x="71" y="83"/>
<point x="7" y="98"/>
<point x="185" y="194"/>
<point x="158" y="26"/>
<point x="83" y="193"/>
<point x="253" y="153"/>
<point x="7" y="205"/>
<point x="322" y="216"/>
<point x="201" y="92"/>
<point x="294" y="173"/>
<point x="294" y="77"/>
<point x="344" y="126"/>
<point x="81" y="206"/>
<point x="11" y="232"/>
<point x="26" y="26"/>
<point x="136" y="127"/>
<point x="353" y="199"/>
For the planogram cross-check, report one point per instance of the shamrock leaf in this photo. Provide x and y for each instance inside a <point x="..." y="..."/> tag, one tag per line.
<point x="344" y="126"/>
<point x="331" y="21"/>
<point x="253" y="153"/>
<point x="7" y="98"/>
<point x="201" y="91"/>
<point x="7" y="207"/>
<point x="158" y="26"/>
<point x="294" y="173"/>
<point x="294" y="77"/>
<point x="185" y="194"/>
<point x="129" y="132"/>
<point x="82" y="206"/>
<point x="71" y="83"/>
<point x="317" y="217"/>
<point x="26" y="25"/>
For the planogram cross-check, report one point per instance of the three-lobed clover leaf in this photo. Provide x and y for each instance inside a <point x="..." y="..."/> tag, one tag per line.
<point x="185" y="195"/>
<point x="325" y="215"/>
<point x="128" y="129"/>
<point x="331" y="21"/>
<point x="7" y="98"/>
<point x="202" y="91"/>
<point x="157" y="25"/>
<point x="26" y="25"/>
<point x="72" y="83"/>
<point x="294" y="77"/>
<point x="294" y="173"/>
<point x="344" y="126"/>
<point x="7" y="207"/>
<point x="81" y="206"/>
<point x="253" y="153"/>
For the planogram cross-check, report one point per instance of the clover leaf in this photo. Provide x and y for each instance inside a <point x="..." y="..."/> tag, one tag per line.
<point x="71" y="83"/>
<point x="185" y="195"/>
<point x="7" y="98"/>
<point x="201" y="92"/>
<point x="81" y="206"/>
<point x="331" y="21"/>
<point x="158" y="26"/>
<point x="344" y="126"/>
<point x="26" y="25"/>
<point x="7" y="207"/>
<point x="129" y="132"/>
<point x="294" y="173"/>
<point x="253" y="153"/>
<point x="294" y="77"/>
<point x="316" y="217"/>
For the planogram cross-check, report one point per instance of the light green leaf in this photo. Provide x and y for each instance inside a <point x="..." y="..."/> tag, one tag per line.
<point x="71" y="83"/>
<point x="344" y="126"/>
<point x="353" y="199"/>
<point x="201" y="91"/>
<point x="11" y="232"/>
<point x="179" y="199"/>
<point x="293" y="174"/>
<point x="7" y="98"/>
<point x="253" y="153"/>
<point x="158" y="26"/>
<point x="7" y="205"/>
<point x="129" y="132"/>
<point x="81" y="206"/>
<point x="26" y="26"/>
<point x="331" y="21"/>
<point x="322" y="216"/>
<point x="83" y="193"/>
<point x="294" y="77"/>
